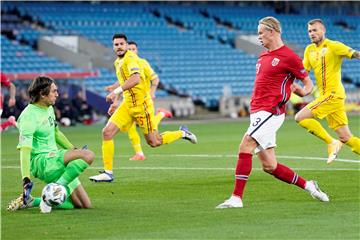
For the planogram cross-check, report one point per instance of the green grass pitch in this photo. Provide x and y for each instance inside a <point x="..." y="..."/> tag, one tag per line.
<point x="173" y="194"/>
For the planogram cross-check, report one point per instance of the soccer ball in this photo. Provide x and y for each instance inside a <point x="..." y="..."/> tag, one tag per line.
<point x="66" y="122"/>
<point x="54" y="194"/>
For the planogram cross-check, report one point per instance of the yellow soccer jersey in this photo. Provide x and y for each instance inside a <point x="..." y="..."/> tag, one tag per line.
<point x="326" y="61"/>
<point x="125" y="67"/>
<point x="150" y="74"/>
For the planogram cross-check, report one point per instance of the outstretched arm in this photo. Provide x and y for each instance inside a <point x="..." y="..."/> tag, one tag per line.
<point x="25" y="153"/>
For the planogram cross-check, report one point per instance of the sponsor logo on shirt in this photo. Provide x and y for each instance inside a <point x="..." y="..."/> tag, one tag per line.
<point x="51" y="121"/>
<point x="275" y="62"/>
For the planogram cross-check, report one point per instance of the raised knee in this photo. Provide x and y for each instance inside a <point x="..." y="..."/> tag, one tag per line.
<point x="89" y="156"/>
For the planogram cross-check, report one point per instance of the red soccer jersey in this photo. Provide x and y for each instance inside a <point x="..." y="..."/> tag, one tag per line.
<point x="4" y="80"/>
<point x="275" y="72"/>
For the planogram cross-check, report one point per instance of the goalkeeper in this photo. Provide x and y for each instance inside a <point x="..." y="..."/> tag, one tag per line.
<point x="39" y="137"/>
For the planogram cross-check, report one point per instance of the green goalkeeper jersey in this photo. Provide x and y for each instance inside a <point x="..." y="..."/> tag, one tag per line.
<point x="37" y="129"/>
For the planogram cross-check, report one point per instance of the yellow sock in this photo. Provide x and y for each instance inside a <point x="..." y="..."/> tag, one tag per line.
<point x="169" y="137"/>
<point x="157" y="119"/>
<point x="354" y="143"/>
<point x="108" y="154"/>
<point x="135" y="139"/>
<point x="315" y="128"/>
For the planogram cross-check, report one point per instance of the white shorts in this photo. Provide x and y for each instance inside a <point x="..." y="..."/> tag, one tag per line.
<point x="263" y="128"/>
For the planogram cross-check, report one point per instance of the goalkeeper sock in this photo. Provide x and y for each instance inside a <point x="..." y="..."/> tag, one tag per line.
<point x="108" y="154"/>
<point x="171" y="136"/>
<point x="36" y="202"/>
<point x="68" y="204"/>
<point x="72" y="171"/>
<point x="354" y="143"/>
<point x="315" y="128"/>
<point x="242" y="173"/>
<point x="287" y="175"/>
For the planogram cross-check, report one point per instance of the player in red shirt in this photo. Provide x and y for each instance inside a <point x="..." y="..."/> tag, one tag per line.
<point x="11" y="120"/>
<point x="276" y="70"/>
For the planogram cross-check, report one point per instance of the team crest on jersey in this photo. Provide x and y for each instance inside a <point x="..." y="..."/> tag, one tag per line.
<point x="323" y="51"/>
<point x="275" y="62"/>
<point x="120" y="63"/>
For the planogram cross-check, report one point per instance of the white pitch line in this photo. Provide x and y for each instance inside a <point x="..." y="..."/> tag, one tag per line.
<point x="230" y="155"/>
<point x="204" y="168"/>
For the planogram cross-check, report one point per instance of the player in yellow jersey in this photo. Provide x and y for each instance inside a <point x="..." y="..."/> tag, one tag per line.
<point x="136" y="107"/>
<point x="152" y="81"/>
<point x="325" y="57"/>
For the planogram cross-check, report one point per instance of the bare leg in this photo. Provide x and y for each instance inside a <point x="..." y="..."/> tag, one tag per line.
<point x="153" y="139"/>
<point x="268" y="159"/>
<point x="86" y="155"/>
<point x="343" y="133"/>
<point x="80" y="198"/>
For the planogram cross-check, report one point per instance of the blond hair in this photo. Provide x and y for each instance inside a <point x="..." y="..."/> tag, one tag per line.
<point x="271" y="23"/>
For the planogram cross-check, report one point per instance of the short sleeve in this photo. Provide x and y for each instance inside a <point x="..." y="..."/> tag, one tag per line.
<point x="27" y="129"/>
<point x="306" y="61"/>
<point x="132" y="64"/>
<point x="341" y="49"/>
<point x="5" y="80"/>
<point x="296" y="67"/>
<point x="148" y="71"/>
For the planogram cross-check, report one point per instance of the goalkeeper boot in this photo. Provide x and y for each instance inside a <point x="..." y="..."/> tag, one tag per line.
<point x="333" y="150"/>
<point x="18" y="203"/>
<point x="102" y="177"/>
<point x="188" y="135"/>
<point x="28" y="185"/>
<point x="314" y="190"/>
<point x="232" y="202"/>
